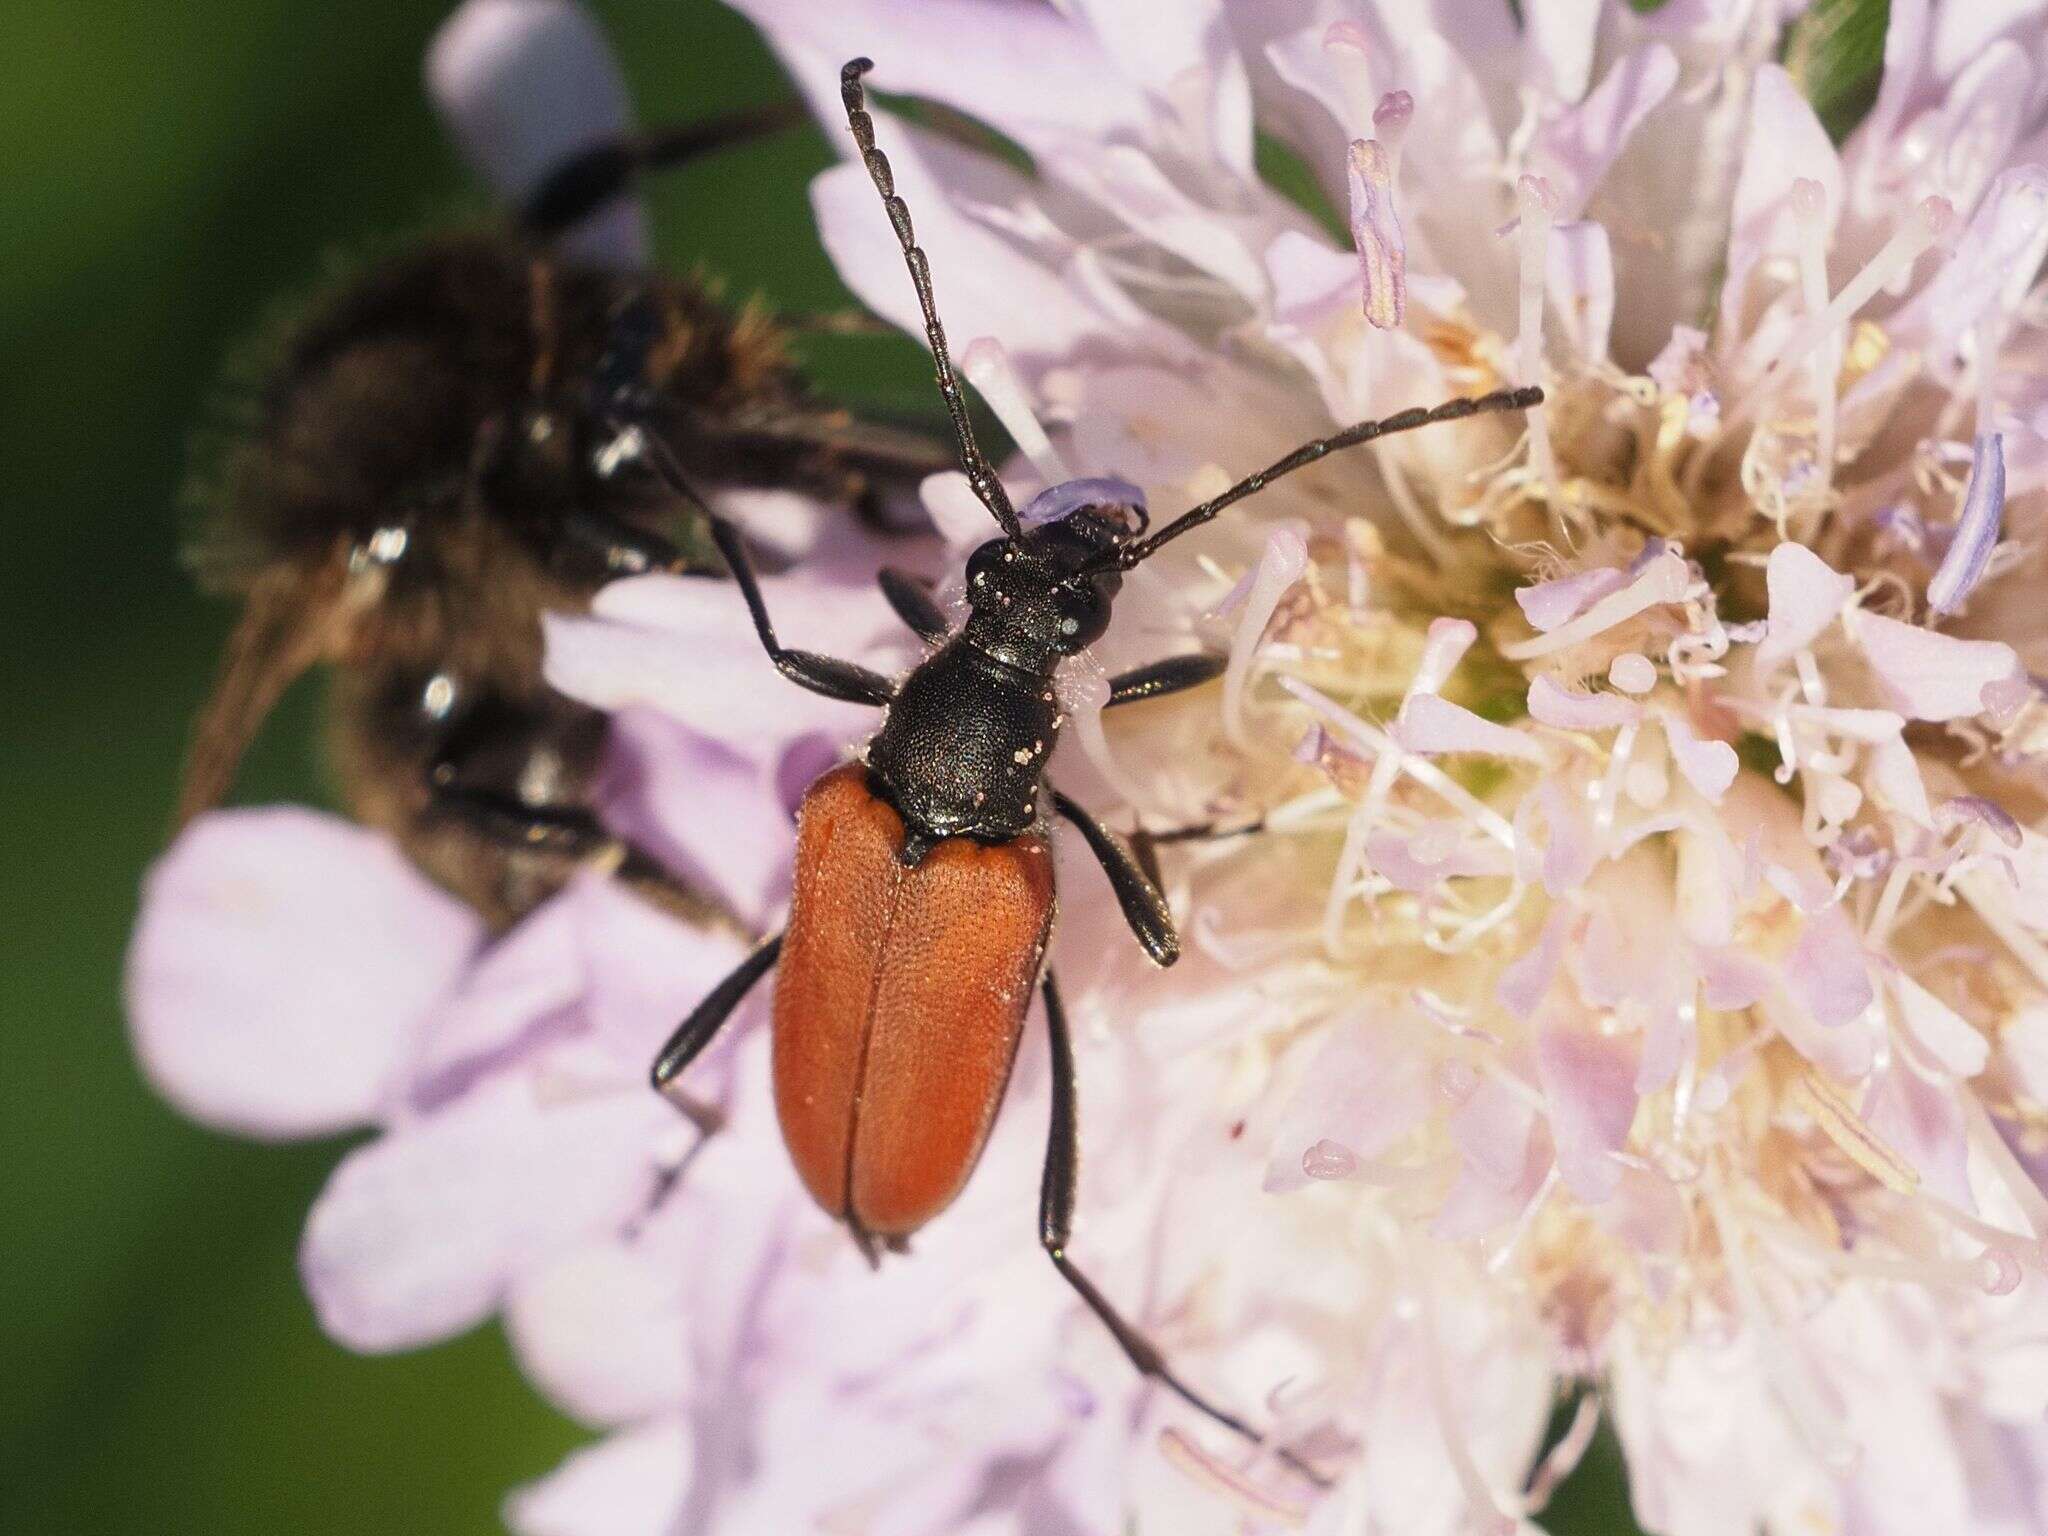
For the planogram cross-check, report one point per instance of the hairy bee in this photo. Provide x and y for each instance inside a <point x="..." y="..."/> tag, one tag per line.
<point x="442" y="451"/>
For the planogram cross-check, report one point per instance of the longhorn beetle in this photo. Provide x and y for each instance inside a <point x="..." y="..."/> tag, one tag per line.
<point x="924" y="882"/>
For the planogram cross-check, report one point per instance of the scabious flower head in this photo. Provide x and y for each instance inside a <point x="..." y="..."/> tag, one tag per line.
<point x="1639" y="977"/>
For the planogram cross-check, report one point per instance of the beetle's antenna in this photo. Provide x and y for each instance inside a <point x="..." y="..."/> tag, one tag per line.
<point x="987" y="488"/>
<point x="1308" y="453"/>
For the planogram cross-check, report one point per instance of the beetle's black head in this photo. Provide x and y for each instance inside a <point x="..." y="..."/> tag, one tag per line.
<point x="1047" y="593"/>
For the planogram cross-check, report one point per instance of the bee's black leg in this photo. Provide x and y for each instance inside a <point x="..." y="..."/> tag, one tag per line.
<point x="585" y="182"/>
<point x="569" y="835"/>
<point x="827" y="675"/>
<point x="709" y="1016"/>
<point x="1164" y="677"/>
<point x="1056" y="1225"/>
<point x="1144" y="908"/>
<point x="599" y="547"/>
<point x="914" y="604"/>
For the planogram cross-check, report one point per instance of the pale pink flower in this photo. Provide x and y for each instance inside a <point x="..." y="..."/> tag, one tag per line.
<point x="1639" y="980"/>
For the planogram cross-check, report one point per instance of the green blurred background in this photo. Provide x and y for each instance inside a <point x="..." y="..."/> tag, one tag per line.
<point x="170" y="172"/>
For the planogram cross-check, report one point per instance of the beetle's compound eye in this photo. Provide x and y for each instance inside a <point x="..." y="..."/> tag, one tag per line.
<point x="985" y="567"/>
<point x="1081" y="614"/>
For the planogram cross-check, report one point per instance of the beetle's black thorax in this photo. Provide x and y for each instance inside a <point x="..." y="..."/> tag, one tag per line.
<point x="963" y="749"/>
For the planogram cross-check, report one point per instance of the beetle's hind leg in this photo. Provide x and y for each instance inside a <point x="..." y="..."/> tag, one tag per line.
<point x="1055" y="1227"/>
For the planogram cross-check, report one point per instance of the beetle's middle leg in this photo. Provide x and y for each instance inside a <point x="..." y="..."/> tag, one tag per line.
<point x="1144" y="908"/>
<point x="1055" y="1227"/>
<point x="709" y="1016"/>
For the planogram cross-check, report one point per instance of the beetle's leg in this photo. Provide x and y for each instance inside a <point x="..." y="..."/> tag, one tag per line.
<point x="828" y="675"/>
<point x="1164" y="677"/>
<point x="709" y="1016"/>
<point x="1145" y="841"/>
<point x="1056" y="1223"/>
<point x="1144" y="908"/>
<point x="914" y="604"/>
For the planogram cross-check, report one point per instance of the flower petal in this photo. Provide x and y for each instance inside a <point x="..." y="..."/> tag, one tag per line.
<point x="282" y="967"/>
<point x="1553" y="704"/>
<point x="1931" y="676"/>
<point x="1574" y="150"/>
<point x="1430" y="725"/>
<point x="1806" y="595"/>
<point x="1589" y="1082"/>
<point x="603" y="1332"/>
<point x="1549" y="604"/>
<point x="418" y="1234"/>
<point x="631" y="1484"/>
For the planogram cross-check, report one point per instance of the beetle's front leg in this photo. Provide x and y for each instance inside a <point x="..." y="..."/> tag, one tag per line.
<point x="1173" y="675"/>
<point x="827" y="675"/>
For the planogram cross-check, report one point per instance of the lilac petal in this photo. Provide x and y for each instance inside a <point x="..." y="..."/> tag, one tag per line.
<point x="1977" y="529"/>
<point x="1048" y="83"/>
<point x="1955" y="1044"/>
<point x="1895" y="780"/>
<point x="1429" y="725"/>
<point x="1806" y="595"/>
<point x="1504" y="1153"/>
<point x="1549" y="604"/>
<point x="1443" y="647"/>
<point x="528" y="979"/>
<point x="1057" y="501"/>
<point x="1826" y="971"/>
<point x="417" y="1234"/>
<point x="1924" y="1125"/>
<point x="1647" y="1213"/>
<point x="1574" y="150"/>
<point x="1308" y="278"/>
<point x="1417" y="863"/>
<point x="1986" y="813"/>
<point x="1589" y="1081"/>
<point x="992" y="288"/>
<point x="686" y="647"/>
<point x="1931" y="676"/>
<point x="1363" y="1093"/>
<point x="1732" y="979"/>
<point x="1559" y="42"/>
<point x="1580" y="273"/>
<point x="716" y="816"/>
<point x="1708" y="766"/>
<point x="1669" y="1040"/>
<point x="631" y="1484"/>
<point x="1526" y="980"/>
<point x="2004" y="241"/>
<point x="1573" y="851"/>
<point x="1553" y="704"/>
<point x="643" y="970"/>
<point x="1786" y="145"/>
<point x="1376" y="232"/>
<point x="603" y="1333"/>
<point x="282" y="967"/>
<point x="523" y="85"/>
